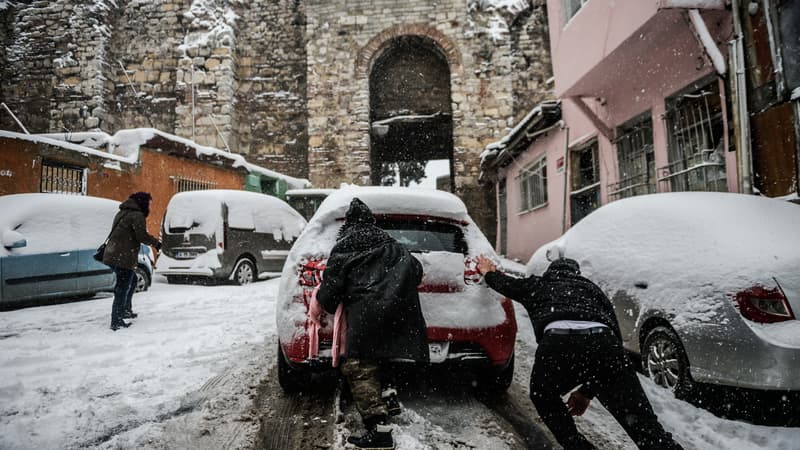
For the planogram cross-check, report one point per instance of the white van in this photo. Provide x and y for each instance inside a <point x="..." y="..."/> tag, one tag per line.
<point x="226" y="235"/>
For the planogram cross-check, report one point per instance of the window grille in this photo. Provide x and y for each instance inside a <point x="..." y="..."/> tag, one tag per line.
<point x="695" y="139"/>
<point x="533" y="185"/>
<point x="62" y="178"/>
<point x="183" y="184"/>
<point x="637" y="169"/>
<point x="585" y="174"/>
<point x="571" y="7"/>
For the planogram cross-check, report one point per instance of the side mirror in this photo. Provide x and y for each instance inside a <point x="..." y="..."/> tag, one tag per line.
<point x="12" y="239"/>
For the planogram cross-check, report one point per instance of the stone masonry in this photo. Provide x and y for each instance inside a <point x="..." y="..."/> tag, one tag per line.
<point x="284" y="82"/>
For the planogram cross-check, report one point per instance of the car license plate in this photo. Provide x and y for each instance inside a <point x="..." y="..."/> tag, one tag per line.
<point x="438" y="351"/>
<point x="184" y="255"/>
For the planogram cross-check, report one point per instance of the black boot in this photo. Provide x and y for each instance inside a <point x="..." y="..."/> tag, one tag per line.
<point x="121" y="324"/>
<point x="378" y="438"/>
<point x="389" y="396"/>
<point x="129" y="315"/>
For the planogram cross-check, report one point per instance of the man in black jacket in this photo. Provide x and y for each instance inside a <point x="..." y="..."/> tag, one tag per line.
<point x="376" y="279"/>
<point x="579" y="344"/>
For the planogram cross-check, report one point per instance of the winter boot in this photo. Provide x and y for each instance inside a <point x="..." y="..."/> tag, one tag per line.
<point x="129" y="315"/>
<point x="378" y="438"/>
<point x="389" y="396"/>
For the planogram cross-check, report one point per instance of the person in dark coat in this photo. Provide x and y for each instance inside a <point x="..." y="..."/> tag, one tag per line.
<point x="128" y="231"/>
<point x="579" y="344"/>
<point x="376" y="279"/>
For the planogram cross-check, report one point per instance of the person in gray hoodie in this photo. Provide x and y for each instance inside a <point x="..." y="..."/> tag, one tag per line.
<point x="128" y="231"/>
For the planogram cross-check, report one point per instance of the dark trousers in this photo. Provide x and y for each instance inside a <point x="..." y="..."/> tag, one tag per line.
<point x="123" y="292"/>
<point x="566" y="361"/>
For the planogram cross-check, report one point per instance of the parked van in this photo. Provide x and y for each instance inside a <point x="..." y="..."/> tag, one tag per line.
<point x="226" y="235"/>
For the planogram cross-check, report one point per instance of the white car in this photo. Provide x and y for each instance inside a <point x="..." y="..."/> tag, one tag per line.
<point x="706" y="286"/>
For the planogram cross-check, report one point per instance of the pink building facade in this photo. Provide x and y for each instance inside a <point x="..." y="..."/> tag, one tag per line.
<point x="643" y="109"/>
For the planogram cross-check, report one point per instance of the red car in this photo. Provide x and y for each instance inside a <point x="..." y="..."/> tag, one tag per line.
<point x="469" y="325"/>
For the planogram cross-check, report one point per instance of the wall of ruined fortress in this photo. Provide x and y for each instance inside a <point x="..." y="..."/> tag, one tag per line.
<point x="284" y="82"/>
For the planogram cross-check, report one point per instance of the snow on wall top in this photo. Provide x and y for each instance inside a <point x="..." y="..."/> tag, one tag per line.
<point x="246" y="210"/>
<point x="125" y="144"/>
<point x="54" y="222"/>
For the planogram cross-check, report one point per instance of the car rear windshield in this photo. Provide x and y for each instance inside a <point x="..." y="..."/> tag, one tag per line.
<point x="426" y="236"/>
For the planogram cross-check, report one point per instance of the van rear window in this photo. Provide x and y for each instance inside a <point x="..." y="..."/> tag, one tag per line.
<point x="426" y="236"/>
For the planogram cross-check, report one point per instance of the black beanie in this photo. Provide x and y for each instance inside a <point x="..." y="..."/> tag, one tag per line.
<point x="143" y="200"/>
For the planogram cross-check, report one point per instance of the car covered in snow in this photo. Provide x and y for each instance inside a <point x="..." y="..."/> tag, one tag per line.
<point x="468" y="324"/>
<point x="48" y="241"/>
<point x="226" y="235"/>
<point x="706" y="286"/>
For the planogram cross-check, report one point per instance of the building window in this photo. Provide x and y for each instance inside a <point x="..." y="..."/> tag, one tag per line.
<point x="62" y="178"/>
<point x="695" y="139"/>
<point x="571" y="7"/>
<point x="183" y="184"/>
<point x="533" y="185"/>
<point x="585" y="181"/>
<point x="637" y="168"/>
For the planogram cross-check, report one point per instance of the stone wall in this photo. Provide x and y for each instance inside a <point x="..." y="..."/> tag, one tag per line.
<point x="285" y="82"/>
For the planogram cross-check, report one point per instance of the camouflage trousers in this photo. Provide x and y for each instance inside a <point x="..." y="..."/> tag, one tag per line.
<point x="363" y="377"/>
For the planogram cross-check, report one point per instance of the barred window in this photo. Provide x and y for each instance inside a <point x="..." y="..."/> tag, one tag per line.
<point x="695" y="133"/>
<point x="62" y="178"/>
<point x="183" y="184"/>
<point x="533" y="185"/>
<point x="637" y="170"/>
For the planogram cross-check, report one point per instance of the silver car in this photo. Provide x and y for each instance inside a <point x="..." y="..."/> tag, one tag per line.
<point x="706" y="286"/>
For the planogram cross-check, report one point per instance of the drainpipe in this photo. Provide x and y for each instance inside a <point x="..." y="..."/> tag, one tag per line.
<point x="738" y="69"/>
<point x="566" y="179"/>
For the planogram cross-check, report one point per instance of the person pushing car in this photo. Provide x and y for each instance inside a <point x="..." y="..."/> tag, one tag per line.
<point x="376" y="279"/>
<point x="579" y="344"/>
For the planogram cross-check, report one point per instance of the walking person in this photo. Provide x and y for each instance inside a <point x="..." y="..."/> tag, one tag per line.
<point x="376" y="279"/>
<point x="128" y="231"/>
<point x="579" y="344"/>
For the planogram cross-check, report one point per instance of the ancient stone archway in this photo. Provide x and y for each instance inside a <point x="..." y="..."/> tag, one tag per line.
<point x="409" y="70"/>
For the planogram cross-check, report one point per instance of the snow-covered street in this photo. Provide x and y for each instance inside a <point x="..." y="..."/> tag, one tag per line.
<point x="187" y="375"/>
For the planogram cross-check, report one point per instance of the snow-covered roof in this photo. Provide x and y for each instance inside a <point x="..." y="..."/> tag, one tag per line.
<point x="54" y="222"/>
<point x="541" y="118"/>
<point x="125" y="144"/>
<point x="201" y="211"/>
<point x="393" y="200"/>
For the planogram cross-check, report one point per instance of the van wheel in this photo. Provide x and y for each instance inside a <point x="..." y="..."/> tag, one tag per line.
<point x="665" y="361"/>
<point x="245" y="272"/>
<point x="142" y="279"/>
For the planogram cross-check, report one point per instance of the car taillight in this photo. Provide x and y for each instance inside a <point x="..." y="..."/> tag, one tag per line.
<point x="311" y="272"/>
<point x="764" y="305"/>
<point x="471" y="274"/>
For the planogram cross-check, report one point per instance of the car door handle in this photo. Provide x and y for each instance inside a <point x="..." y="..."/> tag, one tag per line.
<point x="65" y="254"/>
<point x="641" y="284"/>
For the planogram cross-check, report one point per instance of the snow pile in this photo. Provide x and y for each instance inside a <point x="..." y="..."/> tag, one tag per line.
<point x="55" y="222"/>
<point x="211" y="24"/>
<point x="91" y="139"/>
<point x="58" y="141"/>
<point x="67" y="381"/>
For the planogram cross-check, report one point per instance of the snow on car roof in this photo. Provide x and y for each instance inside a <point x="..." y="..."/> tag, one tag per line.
<point x="393" y="200"/>
<point x="248" y="210"/>
<point x="686" y="245"/>
<point x="310" y="191"/>
<point x="56" y="222"/>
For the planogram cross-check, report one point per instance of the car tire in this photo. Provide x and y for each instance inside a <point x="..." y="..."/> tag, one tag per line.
<point x="664" y="360"/>
<point x="244" y="272"/>
<point x="291" y="380"/>
<point x="142" y="279"/>
<point x="494" y="380"/>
